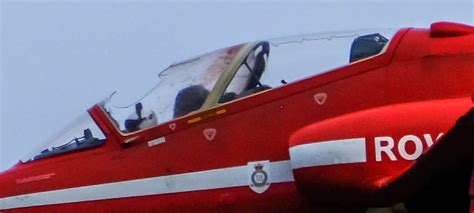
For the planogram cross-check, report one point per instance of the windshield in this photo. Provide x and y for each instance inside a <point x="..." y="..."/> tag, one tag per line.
<point x="182" y="88"/>
<point x="82" y="133"/>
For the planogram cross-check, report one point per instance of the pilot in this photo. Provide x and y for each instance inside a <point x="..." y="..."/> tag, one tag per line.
<point x="189" y="99"/>
<point x="140" y="119"/>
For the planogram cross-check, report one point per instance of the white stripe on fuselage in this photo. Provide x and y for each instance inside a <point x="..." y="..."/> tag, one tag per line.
<point x="203" y="180"/>
<point x="328" y="153"/>
<point x="307" y="155"/>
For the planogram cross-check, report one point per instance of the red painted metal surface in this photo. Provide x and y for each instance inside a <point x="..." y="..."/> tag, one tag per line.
<point x="363" y="182"/>
<point x="421" y="85"/>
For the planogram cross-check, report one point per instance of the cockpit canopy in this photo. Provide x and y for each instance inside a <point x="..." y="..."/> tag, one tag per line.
<point x="232" y="73"/>
<point x="219" y="77"/>
<point x="81" y="134"/>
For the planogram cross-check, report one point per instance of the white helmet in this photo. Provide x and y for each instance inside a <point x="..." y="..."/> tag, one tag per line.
<point x="140" y="119"/>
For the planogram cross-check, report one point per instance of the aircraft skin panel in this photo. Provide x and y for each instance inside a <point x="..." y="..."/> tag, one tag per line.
<point x="279" y="197"/>
<point x="326" y="142"/>
<point x="195" y="181"/>
<point x="388" y="154"/>
<point x="333" y="152"/>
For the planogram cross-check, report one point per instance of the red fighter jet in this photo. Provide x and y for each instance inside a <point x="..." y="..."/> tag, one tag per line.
<point x="355" y="121"/>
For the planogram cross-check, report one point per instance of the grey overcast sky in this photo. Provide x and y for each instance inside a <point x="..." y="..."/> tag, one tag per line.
<point x="58" y="58"/>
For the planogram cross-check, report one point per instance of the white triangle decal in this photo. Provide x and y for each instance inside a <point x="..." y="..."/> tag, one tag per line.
<point x="210" y="133"/>
<point x="320" y="98"/>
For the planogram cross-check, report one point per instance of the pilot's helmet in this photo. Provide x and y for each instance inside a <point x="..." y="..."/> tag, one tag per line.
<point x="140" y="119"/>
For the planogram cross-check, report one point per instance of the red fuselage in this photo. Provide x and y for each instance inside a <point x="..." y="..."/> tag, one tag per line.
<point x="378" y="115"/>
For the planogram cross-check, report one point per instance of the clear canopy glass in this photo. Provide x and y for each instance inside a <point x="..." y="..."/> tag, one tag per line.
<point x="81" y="133"/>
<point x="297" y="57"/>
<point x="191" y="79"/>
<point x="222" y="76"/>
<point x="235" y="72"/>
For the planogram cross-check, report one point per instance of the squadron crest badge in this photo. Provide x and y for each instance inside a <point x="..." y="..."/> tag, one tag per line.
<point x="259" y="176"/>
